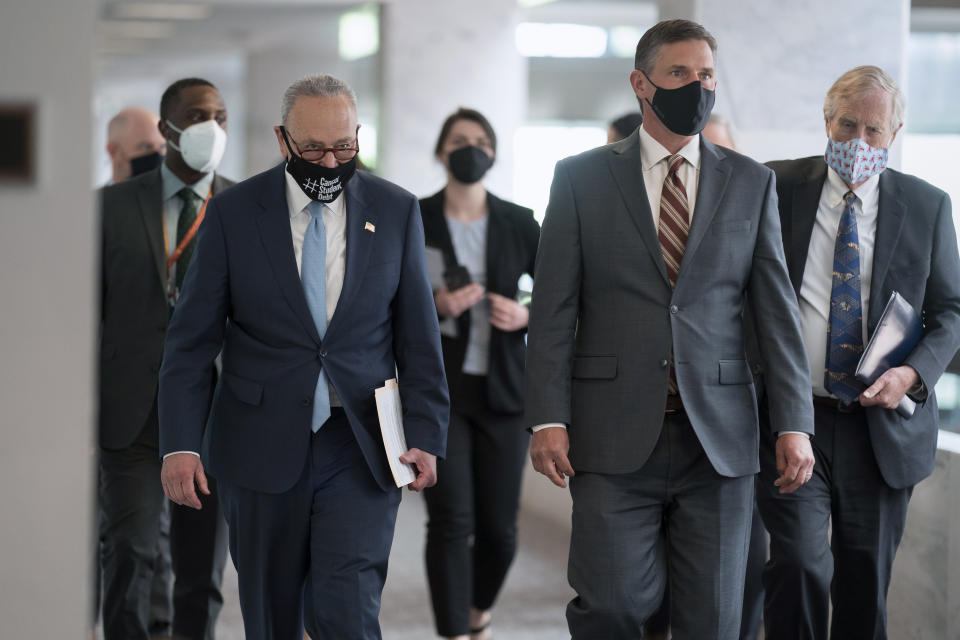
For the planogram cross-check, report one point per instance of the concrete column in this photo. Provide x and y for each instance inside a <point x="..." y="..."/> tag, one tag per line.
<point x="48" y="289"/>
<point x="437" y="56"/>
<point x="776" y="61"/>
<point x="924" y="599"/>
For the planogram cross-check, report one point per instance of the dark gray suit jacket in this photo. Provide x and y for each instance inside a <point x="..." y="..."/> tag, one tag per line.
<point x="915" y="253"/>
<point x="134" y="310"/>
<point x="604" y="316"/>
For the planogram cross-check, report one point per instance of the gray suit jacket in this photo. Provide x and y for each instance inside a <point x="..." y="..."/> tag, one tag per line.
<point x="604" y="317"/>
<point x="134" y="309"/>
<point x="916" y="254"/>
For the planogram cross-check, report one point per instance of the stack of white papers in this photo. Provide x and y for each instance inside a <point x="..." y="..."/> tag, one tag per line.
<point x="391" y="428"/>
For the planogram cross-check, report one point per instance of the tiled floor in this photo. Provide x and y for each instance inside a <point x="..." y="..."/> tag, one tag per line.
<point x="531" y="606"/>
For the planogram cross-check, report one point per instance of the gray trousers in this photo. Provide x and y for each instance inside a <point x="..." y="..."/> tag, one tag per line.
<point x="620" y="564"/>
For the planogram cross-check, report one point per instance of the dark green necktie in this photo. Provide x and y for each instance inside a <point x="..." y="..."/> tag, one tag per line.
<point x="188" y="215"/>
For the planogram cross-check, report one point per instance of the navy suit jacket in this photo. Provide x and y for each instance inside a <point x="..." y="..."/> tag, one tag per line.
<point x="242" y="294"/>
<point x="915" y="253"/>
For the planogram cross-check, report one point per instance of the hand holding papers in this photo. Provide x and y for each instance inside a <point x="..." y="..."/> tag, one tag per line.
<point x="391" y="427"/>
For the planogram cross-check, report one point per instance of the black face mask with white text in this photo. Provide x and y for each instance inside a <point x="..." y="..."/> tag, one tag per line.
<point x="318" y="182"/>
<point x="684" y="110"/>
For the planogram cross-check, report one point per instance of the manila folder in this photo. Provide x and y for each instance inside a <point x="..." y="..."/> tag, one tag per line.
<point x="391" y="427"/>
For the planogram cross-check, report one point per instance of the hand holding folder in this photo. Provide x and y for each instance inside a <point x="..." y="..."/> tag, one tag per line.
<point x="896" y="336"/>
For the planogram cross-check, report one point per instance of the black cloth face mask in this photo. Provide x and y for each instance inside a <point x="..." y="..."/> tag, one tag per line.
<point x="469" y="164"/>
<point x="144" y="163"/>
<point x="318" y="182"/>
<point x="684" y="110"/>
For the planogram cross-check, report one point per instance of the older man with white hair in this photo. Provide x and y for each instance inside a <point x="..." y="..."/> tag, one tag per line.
<point x="854" y="232"/>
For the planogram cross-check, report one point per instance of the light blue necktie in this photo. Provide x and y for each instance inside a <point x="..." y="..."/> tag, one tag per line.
<point x="845" y="331"/>
<point x="313" y="275"/>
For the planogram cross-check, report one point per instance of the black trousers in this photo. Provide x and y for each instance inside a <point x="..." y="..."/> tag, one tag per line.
<point x="472" y="526"/>
<point x="807" y="570"/>
<point x="132" y="503"/>
<point x="161" y="593"/>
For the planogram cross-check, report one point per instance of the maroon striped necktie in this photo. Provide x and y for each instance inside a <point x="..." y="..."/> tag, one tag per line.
<point x="674" y="219"/>
<point x="673" y="232"/>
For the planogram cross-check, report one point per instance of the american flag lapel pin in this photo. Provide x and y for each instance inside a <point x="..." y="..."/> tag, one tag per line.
<point x="368" y="226"/>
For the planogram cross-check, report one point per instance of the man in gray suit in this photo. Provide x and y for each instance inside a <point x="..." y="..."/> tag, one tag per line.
<point x="854" y="232"/>
<point x="636" y="373"/>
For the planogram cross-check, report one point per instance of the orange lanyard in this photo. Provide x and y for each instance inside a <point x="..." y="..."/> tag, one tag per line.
<point x="191" y="232"/>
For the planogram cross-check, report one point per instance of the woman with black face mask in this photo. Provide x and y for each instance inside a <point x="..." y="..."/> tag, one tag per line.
<point x="484" y="245"/>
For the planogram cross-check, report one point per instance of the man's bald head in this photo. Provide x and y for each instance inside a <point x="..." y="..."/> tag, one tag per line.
<point x="132" y="133"/>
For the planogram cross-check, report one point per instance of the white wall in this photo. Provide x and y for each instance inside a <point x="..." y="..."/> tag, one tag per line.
<point x="47" y="288"/>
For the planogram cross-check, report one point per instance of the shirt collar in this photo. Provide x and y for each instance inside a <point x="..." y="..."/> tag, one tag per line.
<point x="652" y="152"/>
<point x="297" y="200"/>
<point x="172" y="185"/>
<point x="835" y="188"/>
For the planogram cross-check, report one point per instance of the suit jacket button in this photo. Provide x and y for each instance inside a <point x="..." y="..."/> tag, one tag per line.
<point x="674" y="309"/>
<point x="663" y="364"/>
<point x="307" y="402"/>
<point x="323" y="354"/>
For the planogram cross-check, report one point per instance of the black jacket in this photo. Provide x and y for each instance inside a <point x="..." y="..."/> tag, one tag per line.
<point x="134" y="310"/>
<point x="512" y="237"/>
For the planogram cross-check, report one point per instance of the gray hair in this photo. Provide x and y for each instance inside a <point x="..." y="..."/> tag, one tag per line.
<point x="858" y="81"/>
<point x="322" y="86"/>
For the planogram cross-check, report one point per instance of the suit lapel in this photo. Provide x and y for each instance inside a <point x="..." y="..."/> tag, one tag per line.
<point x="627" y="170"/>
<point x="220" y="183"/>
<point x="714" y="175"/>
<point x="150" y="199"/>
<point x="803" y="215"/>
<point x="890" y="218"/>
<point x="277" y="239"/>
<point x="359" y="243"/>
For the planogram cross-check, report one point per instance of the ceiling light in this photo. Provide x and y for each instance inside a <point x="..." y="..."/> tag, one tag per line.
<point x="162" y="11"/>
<point x="136" y="29"/>
<point x="558" y="40"/>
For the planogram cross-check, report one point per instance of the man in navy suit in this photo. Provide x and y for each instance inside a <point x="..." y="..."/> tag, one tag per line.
<point x="312" y="280"/>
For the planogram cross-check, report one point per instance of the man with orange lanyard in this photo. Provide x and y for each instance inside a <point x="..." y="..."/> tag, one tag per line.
<point x="149" y="227"/>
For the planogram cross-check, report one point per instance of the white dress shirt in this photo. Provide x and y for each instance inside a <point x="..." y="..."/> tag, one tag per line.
<point x="655" y="164"/>
<point x="817" y="286"/>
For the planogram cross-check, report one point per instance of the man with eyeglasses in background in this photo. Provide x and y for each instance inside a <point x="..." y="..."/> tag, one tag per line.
<point x="312" y="278"/>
